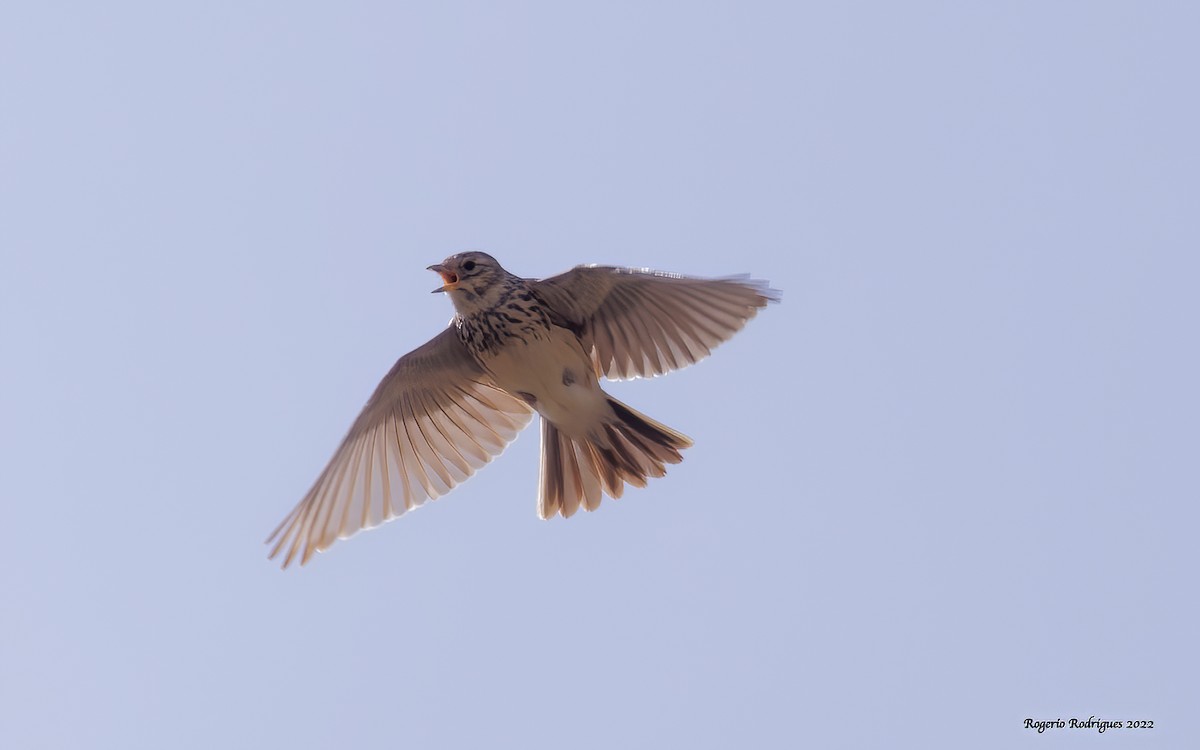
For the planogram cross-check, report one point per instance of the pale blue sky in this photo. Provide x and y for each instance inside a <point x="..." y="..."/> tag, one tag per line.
<point x="950" y="483"/>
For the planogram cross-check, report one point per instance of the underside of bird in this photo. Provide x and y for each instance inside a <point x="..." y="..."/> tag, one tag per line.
<point x="519" y="346"/>
<point x="626" y="447"/>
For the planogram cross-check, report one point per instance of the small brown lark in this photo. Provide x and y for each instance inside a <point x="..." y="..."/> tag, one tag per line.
<point x="517" y="346"/>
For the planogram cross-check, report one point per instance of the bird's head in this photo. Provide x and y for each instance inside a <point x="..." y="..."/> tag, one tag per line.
<point x="474" y="280"/>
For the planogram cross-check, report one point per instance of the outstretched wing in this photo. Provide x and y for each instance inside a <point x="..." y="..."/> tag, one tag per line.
<point x="434" y="420"/>
<point x="640" y="323"/>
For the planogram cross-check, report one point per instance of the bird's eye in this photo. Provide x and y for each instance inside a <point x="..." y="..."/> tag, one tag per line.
<point x="469" y="265"/>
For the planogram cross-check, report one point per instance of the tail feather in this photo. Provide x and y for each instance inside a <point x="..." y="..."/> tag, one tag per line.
<point x="626" y="448"/>
<point x="589" y="482"/>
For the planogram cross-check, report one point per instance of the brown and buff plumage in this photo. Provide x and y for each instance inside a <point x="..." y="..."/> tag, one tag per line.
<point x="514" y="347"/>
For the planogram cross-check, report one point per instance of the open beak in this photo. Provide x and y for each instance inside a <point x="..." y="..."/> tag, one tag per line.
<point x="448" y="276"/>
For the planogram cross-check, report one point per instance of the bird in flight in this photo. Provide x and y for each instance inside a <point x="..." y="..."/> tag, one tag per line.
<point x="516" y="346"/>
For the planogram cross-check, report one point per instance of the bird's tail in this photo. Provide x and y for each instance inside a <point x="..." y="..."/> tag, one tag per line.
<point x="626" y="447"/>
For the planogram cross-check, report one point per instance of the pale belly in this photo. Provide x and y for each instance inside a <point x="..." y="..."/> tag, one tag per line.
<point x="554" y="375"/>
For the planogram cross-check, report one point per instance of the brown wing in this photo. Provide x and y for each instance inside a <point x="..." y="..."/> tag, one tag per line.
<point x="640" y="323"/>
<point x="434" y="420"/>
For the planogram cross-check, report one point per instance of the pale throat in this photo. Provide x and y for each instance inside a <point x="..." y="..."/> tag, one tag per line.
<point x="478" y="295"/>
